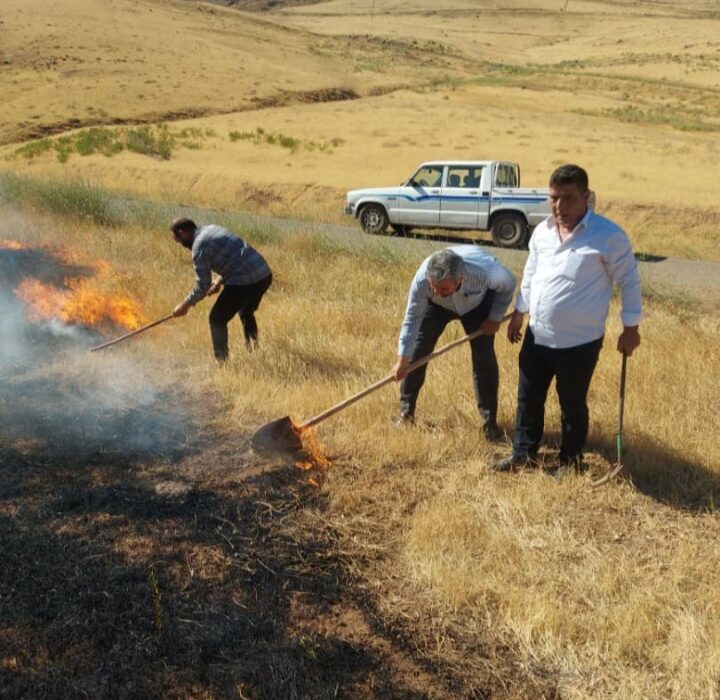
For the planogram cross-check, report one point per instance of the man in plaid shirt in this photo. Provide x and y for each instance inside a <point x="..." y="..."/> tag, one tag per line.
<point x="243" y="273"/>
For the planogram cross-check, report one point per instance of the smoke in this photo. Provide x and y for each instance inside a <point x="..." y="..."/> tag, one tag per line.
<point x="57" y="397"/>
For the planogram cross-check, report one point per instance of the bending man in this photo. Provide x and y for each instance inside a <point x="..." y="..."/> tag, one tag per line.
<point x="576" y="256"/>
<point x="462" y="283"/>
<point x="243" y="274"/>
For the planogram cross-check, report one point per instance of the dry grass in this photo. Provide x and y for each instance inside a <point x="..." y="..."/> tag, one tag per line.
<point x="618" y="89"/>
<point x="608" y="593"/>
<point x="505" y="586"/>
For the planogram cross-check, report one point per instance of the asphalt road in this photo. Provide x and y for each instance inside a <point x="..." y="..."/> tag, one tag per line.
<point x="697" y="279"/>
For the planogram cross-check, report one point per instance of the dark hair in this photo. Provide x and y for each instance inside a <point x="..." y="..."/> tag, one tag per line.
<point x="183" y="224"/>
<point x="569" y="175"/>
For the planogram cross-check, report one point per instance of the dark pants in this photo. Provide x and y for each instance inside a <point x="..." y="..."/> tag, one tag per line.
<point x="484" y="362"/>
<point x="242" y="300"/>
<point x="573" y="369"/>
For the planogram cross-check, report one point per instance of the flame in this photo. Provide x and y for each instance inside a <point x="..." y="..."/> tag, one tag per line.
<point x="11" y="245"/>
<point x="78" y="303"/>
<point x="317" y="461"/>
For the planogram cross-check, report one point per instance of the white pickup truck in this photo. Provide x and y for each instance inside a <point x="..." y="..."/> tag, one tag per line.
<point x="455" y="194"/>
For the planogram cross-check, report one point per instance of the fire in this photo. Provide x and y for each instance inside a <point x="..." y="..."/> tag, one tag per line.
<point x="78" y="303"/>
<point x="57" y="283"/>
<point x="317" y="462"/>
<point x="11" y="245"/>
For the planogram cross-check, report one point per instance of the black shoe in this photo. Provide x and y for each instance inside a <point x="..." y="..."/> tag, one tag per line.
<point x="566" y="465"/>
<point x="404" y="419"/>
<point x="512" y="462"/>
<point x="492" y="432"/>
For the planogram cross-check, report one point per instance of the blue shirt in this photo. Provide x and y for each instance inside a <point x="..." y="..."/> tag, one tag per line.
<point x="215" y="249"/>
<point x="567" y="286"/>
<point x="481" y="272"/>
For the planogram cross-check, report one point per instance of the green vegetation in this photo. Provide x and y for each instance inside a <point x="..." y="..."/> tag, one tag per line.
<point x="154" y="141"/>
<point x="676" y="117"/>
<point x="72" y="198"/>
<point x="260" y="136"/>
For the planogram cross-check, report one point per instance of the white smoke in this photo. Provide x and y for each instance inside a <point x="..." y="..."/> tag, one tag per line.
<point x="58" y="397"/>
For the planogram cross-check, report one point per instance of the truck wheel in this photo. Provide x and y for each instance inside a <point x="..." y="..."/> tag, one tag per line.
<point x="401" y="231"/>
<point x="509" y="230"/>
<point x="373" y="219"/>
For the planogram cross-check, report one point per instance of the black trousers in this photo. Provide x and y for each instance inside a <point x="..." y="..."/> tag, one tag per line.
<point x="242" y="300"/>
<point x="484" y="362"/>
<point x="573" y="369"/>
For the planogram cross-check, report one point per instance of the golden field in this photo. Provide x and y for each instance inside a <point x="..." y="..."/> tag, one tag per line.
<point x="630" y="92"/>
<point x="483" y="585"/>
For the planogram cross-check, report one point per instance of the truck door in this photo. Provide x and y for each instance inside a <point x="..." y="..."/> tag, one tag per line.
<point x="419" y="199"/>
<point x="461" y="199"/>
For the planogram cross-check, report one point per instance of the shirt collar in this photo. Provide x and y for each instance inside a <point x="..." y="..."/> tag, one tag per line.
<point x="579" y="227"/>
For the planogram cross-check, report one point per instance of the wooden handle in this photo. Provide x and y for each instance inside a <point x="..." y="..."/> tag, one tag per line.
<point x="391" y="377"/>
<point x="132" y="333"/>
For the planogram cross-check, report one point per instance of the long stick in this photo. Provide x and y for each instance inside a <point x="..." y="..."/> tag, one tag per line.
<point x="132" y="333"/>
<point x="391" y="377"/>
<point x="617" y="468"/>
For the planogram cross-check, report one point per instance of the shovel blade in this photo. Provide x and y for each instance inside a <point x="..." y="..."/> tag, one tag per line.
<point x="277" y="436"/>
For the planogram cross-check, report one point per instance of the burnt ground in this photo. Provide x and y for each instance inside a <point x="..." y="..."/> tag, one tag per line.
<point x="207" y="573"/>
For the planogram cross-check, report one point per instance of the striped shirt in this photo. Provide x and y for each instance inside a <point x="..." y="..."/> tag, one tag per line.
<point x="481" y="272"/>
<point x="215" y="249"/>
<point x="567" y="286"/>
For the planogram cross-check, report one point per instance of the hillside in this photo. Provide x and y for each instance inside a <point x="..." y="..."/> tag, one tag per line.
<point x="148" y="551"/>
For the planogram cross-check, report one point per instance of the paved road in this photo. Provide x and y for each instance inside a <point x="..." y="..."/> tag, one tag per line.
<point x="700" y="279"/>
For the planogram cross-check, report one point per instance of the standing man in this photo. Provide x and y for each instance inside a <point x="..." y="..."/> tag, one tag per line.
<point x="244" y="276"/>
<point x="576" y="256"/>
<point x="462" y="283"/>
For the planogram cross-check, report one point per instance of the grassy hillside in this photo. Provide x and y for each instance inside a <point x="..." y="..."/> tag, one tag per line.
<point x="631" y="92"/>
<point x="150" y="553"/>
<point x="551" y="577"/>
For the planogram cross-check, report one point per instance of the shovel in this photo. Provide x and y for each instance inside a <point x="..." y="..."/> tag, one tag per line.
<point x="282" y="435"/>
<point x="617" y="467"/>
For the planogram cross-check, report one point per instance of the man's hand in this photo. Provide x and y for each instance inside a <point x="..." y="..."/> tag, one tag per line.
<point x="489" y="327"/>
<point x="629" y="340"/>
<point x="514" y="330"/>
<point x="181" y="309"/>
<point x="400" y="369"/>
<point x="214" y="287"/>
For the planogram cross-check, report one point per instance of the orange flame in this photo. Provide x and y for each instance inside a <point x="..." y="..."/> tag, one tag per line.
<point x="318" y="462"/>
<point x="78" y="303"/>
<point x="11" y="245"/>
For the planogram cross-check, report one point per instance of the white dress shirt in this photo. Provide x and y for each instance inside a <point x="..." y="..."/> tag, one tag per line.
<point x="567" y="286"/>
<point x="481" y="272"/>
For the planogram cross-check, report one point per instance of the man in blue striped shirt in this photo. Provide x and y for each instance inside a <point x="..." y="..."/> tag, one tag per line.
<point x="463" y="283"/>
<point x="243" y="273"/>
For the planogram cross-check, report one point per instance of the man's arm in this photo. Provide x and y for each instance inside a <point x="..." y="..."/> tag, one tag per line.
<point x="502" y="281"/>
<point x="414" y="312"/>
<point x="623" y="269"/>
<point x="522" y="303"/>
<point x="203" y="282"/>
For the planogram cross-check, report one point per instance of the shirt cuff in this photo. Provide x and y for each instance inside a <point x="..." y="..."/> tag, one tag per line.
<point x="521" y="306"/>
<point x="632" y="319"/>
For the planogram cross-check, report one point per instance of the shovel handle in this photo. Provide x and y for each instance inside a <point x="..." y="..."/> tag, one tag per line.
<point x="132" y="333"/>
<point x="390" y="378"/>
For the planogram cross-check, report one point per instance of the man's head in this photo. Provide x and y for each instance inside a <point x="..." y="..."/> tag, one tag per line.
<point x="444" y="272"/>
<point x="569" y="195"/>
<point x="184" y="231"/>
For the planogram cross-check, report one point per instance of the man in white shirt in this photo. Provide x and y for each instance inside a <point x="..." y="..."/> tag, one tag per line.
<point x="576" y="256"/>
<point x="464" y="283"/>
